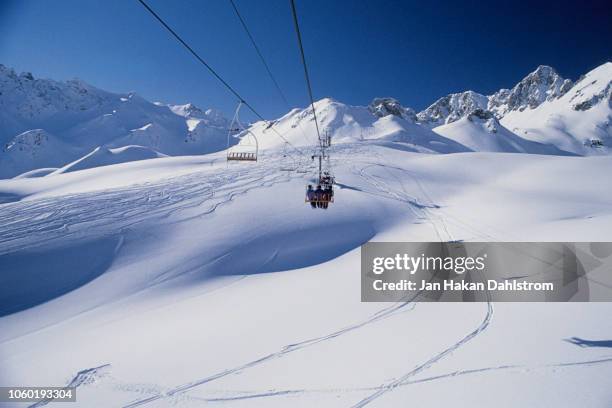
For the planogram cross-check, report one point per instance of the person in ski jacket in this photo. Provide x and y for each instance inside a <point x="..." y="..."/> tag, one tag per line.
<point x="327" y="195"/>
<point x="319" y="194"/>
<point x="311" y="196"/>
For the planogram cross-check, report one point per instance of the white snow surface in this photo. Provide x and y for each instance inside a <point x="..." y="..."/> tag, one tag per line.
<point x="486" y="134"/>
<point x="151" y="281"/>
<point x="185" y="281"/>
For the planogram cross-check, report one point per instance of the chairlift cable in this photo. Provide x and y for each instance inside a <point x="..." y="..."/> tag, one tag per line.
<point x="263" y="61"/>
<point x="306" y="76"/>
<point x="261" y="57"/>
<point x="319" y="198"/>
<point x="211" y="70"/>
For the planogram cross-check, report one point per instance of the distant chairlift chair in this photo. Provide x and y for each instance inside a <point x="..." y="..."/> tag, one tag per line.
<point x="248" y="147"/>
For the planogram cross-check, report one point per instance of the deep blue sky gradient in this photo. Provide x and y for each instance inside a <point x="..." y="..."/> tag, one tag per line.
<point x="415" y="51"/>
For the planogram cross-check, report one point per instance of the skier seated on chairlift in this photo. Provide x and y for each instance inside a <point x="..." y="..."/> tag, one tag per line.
<point x="327" y="196"/>
<point x="319" y="196"/>
<point x="329" y="192"/>
<point x="311" y="196"/>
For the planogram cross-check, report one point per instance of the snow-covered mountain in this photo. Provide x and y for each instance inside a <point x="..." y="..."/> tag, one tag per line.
<point x="543" y="107"/>
<point x="501" y="122"/>
<point x="380" y="123"/>
<point x="543" y="84"/>
<point x="50" y="124"/>
<point x="46" y="123"/>
<point x="578" y="121"/>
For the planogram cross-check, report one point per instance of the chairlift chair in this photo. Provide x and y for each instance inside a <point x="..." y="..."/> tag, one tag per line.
<point x="326" y="197"/>
<point x="247" y="148"/>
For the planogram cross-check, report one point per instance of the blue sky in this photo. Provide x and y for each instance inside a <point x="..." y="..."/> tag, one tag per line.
<point x="415" y="51"/>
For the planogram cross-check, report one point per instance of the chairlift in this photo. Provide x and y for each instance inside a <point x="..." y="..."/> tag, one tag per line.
<point x="247" y="148"/>
<point x="323" y="195"/>
<point x="320" y="197"/>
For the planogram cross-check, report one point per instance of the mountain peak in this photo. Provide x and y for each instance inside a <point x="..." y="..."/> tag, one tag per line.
<point x="188" y="110"/>
<point x="543" y="84"/>
<point x="452" y="107"/>
<point x="390" y="106"/>
<point x="544" y="70"/>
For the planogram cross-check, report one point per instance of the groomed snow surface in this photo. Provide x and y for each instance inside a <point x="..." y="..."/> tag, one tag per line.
<point x="188" y="282"/>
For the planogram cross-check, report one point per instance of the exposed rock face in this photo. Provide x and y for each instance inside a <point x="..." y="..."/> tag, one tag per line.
<point x="452" y="107"/>
<point x="594" y="100"/>
<point x="543" y="84"/>
<point x="381" y="107"/>
<point x="490" y="123"/>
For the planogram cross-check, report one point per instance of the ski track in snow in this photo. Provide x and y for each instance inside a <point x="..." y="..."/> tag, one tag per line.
<point x="252" y="394"/>
<point x="384" y="313"/>
<point x="29" y="224"/>
<point x="385" y="388"/>
<point x="83" y="377"/>
<point x="419" y="209"/>
<point x="440" y="227"/>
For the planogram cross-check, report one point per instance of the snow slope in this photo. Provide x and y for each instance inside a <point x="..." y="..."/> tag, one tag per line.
<point x="207" y="283"/>
<point x="481" y="132"/>
<point x="33" y="146"/>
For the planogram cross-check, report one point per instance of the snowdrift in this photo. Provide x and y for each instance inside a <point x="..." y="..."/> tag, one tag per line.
<point x="102" y="156"/>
